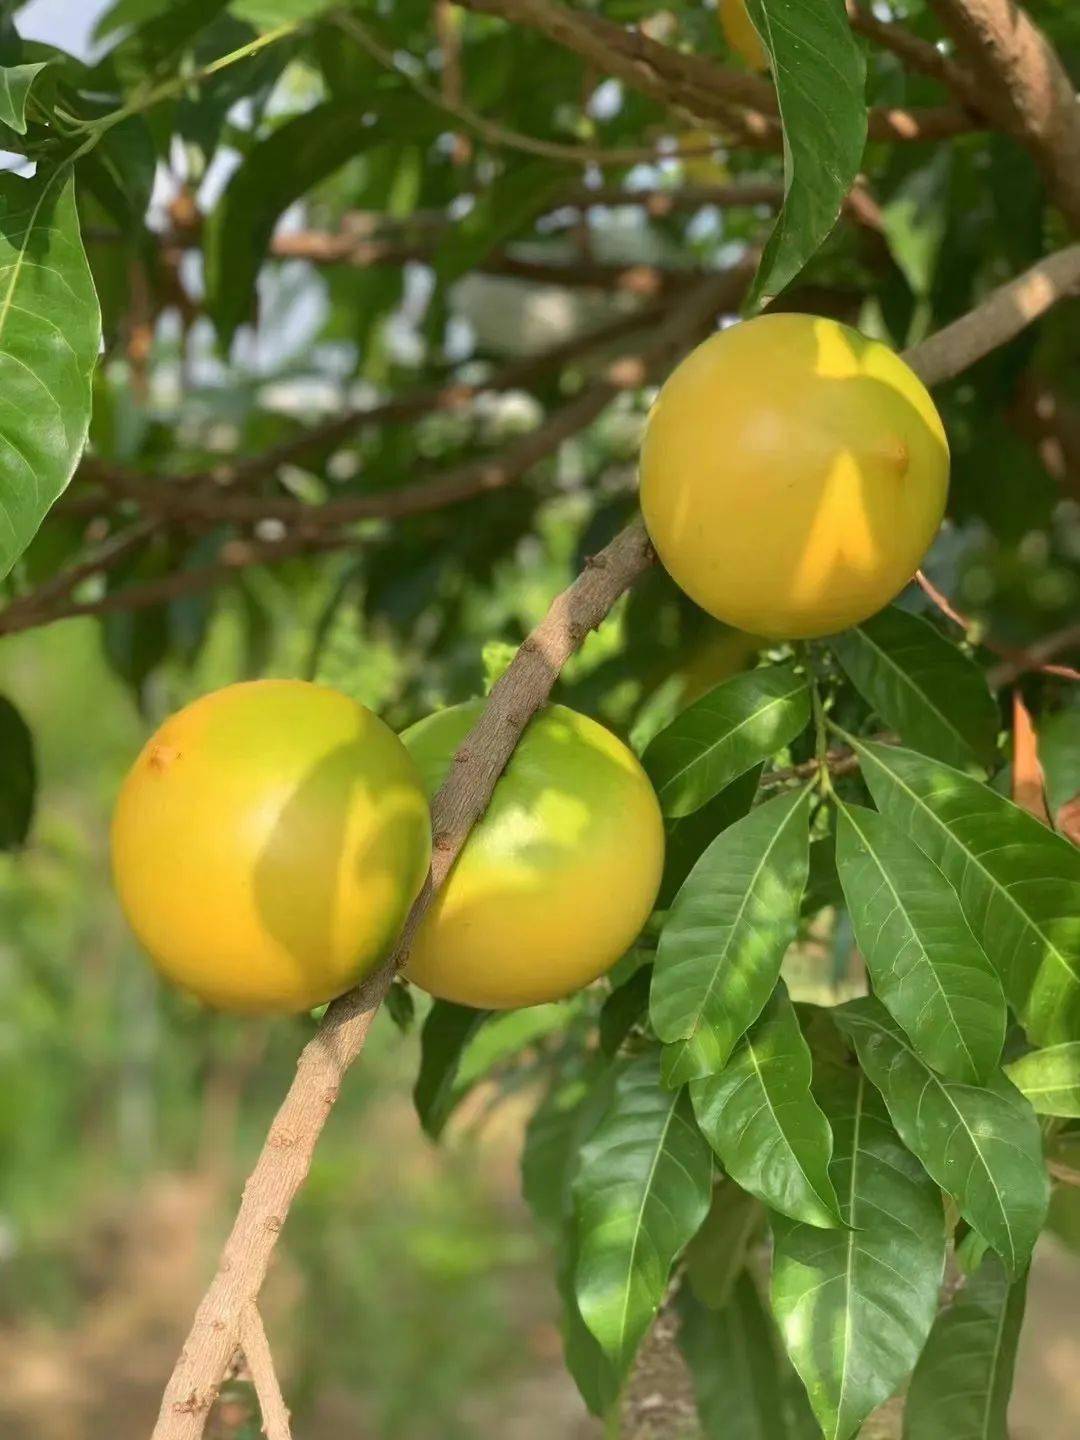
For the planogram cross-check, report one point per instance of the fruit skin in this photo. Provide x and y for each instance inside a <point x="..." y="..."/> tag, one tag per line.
<point x="740" y="34"/>
<point x="793" y="475"/>
<point x="558" y="876"/>
<point x="267" y="844"/>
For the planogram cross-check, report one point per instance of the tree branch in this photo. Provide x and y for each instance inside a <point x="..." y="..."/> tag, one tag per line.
<point x="33" y="610"/>
<point x="1024" y="86"/>
<point x="744" y="105"/>
<point x="286" y="1156"/>
<point x="999" y="318"/>
<point x="452" y="395"/>
<point x="275" y="1416"/>
<point x="474" y="477"/>
<point x="916" y="53"/>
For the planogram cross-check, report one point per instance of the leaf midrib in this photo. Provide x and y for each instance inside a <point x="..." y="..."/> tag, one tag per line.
<point x="645" y="1193"/>
<point x="918" y="939"/>
<point x="778" y="834"/>
<point x="920" y="694"/>
<point x="707" y="751"/>
<point x="974" y="860"/>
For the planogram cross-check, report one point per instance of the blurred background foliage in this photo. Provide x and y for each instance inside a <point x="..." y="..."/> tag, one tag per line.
<point x="412" y="1297"/>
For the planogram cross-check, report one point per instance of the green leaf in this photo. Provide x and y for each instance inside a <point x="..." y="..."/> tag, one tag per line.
<point x="924" y="962"/>
<point x="927" y="690"/>
<point x="731" y="728"/>
<point x="1050" y="1079"/>
<point x="856" y="1305"/>
<point x="280" y="169"/>
<point x="565" y="1118"/>
<point x="720" y="951"/>
<point x="643" y="1188"/>
<point x="459" y="1046"/>
<point x="916" y="220"/>
<point x="820" y="77"/>
<point x="732" y="1357"/>
<point x="960" y="1389"/>
<point x="15" y="83"/>
<point x="18" y="777"/>
<point x="446" y="1032"/>
<point x="687" y="837"/>
<point x="981" y="1144"/>
<point x="716" y="1255"/>
<point x="759" y="1116"/>
<point x="1018" y="882"/>
<point x="50" y="331"/>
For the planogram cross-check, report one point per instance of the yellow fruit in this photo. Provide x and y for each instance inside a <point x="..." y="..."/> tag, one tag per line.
<point x="741" y="35"/>
<point x="793" y="475"/>
<point x="267" y="845"/>
<point x="557" y="878"/>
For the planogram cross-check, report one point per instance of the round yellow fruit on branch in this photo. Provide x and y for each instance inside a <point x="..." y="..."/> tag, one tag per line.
<point x="740" y="34"/>
<point x="267" y="845"/>
<point x="793" y="475"/>
<point x="557" y="878"/>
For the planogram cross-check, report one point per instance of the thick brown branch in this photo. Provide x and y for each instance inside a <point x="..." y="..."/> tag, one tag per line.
<point x="916" y="53"/>
<point x="999" y="318"/>
<point x="286" y="1156"/>
<point x="1024" y="86"/>
<point x="742" y="105"/>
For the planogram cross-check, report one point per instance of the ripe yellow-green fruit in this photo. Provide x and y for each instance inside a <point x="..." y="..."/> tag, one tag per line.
<point x="267" y="845"/>
<point x="741" y="35"/>
<point x="793" y="475"/>
<point x="556" y="879"/>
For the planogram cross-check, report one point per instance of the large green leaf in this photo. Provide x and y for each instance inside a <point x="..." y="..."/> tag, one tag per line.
<point x="960" y="1389"/>
<point x="759" y="1116"/>
<point x="50" y="331"/>
<point x="1018" y="882"/>
<point x="1050" y="1079"/>
<point x="688" y="836"/>
<point x="925" y="964"/>
<point x="15" y="83"/>
<point x="642" y="1189"/>
<point x="277" y="171"/>
<point x="719" y="954"/>
<point x="733" y="727"/>
<point x="921" y="686"/>
<point x="820" y="76"/>
<point x="18" y="776"/>
<point x="981" y="1144"/>
<point x="732" y="1357"/>
<point x="856" y="1305"/>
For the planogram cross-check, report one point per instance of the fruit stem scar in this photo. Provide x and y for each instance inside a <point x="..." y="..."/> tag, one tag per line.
<point x="162" y="756"/>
